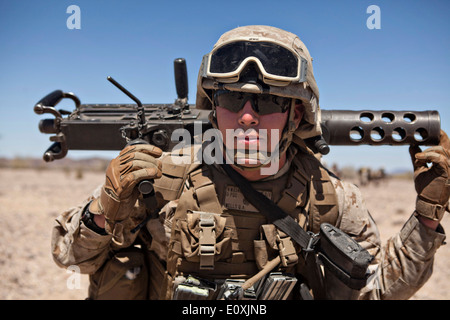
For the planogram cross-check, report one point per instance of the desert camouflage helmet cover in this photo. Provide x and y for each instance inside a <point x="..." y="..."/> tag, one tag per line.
<point x="307" y="91"/>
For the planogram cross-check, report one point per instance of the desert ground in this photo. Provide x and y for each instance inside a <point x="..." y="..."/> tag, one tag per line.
<point x="30" y="200"/>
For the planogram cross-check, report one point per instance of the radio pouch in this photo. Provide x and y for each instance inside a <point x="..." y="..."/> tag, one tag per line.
<point x="345" y="263"/>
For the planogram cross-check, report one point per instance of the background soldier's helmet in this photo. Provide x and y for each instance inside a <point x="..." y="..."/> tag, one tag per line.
<point x="271" y="51"/>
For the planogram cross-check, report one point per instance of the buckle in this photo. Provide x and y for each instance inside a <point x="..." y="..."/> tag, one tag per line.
<point x="207" y="240"/>
<point x="314" y="238"/>
<point x="288" y="254"/>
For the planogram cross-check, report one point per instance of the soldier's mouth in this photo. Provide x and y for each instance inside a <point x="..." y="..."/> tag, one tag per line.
<point x="247" y="140"/>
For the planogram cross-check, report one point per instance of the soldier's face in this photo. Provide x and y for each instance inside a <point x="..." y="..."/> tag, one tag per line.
<point x="249" y="129"/>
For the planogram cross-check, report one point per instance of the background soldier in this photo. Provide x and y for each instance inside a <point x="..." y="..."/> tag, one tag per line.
<point x="206" y="240"/>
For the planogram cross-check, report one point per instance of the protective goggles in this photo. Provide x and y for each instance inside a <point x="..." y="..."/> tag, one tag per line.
<point x="262" y="103"/>
<point x="276" y="62"/>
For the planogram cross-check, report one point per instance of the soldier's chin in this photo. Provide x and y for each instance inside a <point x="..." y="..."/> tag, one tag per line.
<point x="248" y="163"/>
<point x="251" y="159"/>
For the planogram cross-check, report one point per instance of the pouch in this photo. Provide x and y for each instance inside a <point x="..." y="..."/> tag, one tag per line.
<point x="191" y="230"/>
<point x="123" y="277"/>
<point x="345" y="263"/>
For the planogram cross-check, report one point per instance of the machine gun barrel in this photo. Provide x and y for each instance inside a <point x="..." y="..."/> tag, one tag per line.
<point x="111" y="126"/>
<point x="339" y="127"/>
<point x="349" y="127"/>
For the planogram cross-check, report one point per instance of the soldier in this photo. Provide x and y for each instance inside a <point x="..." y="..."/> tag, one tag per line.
<point x="207" y="238"/>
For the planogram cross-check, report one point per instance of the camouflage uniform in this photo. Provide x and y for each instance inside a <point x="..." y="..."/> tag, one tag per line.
<point x="402" y="265"/>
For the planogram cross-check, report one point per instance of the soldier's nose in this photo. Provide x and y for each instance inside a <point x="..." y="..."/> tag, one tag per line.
<point x="247" y="116"/>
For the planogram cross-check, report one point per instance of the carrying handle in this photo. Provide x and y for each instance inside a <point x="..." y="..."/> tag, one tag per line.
<point x="147" y="190"/>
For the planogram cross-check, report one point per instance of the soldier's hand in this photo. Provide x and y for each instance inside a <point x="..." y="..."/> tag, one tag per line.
<point x="134" y="164"/>
<point x="432" y="183"/>
<point x="119" y="193"/>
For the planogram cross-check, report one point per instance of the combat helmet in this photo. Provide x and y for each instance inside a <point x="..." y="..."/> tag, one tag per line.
<point x="285" y="69"/>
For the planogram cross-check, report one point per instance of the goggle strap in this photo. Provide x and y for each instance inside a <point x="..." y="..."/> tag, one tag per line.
<point x="291" y="122"/>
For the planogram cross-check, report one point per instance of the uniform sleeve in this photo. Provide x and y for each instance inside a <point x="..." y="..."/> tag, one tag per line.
<point x="74" y="244"/>
<point x="406" y="260"/>
<point x="403" y="264"/>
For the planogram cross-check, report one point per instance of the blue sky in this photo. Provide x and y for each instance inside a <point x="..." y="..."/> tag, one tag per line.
<point x="402" y="66"/>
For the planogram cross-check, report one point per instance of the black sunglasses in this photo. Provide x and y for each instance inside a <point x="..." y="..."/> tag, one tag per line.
<point x="262" y="103"/>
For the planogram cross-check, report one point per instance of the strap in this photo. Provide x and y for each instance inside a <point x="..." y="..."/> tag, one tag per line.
<point x="428" y="210"/>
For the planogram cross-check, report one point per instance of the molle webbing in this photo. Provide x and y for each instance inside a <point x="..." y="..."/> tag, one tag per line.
<point x="205" y="194"/>
<point x="308" y="190"/>
<point x="323" y="202"/>
<point x="243" y="226"/>
<point x="222" y="270"/>
<point x="171" y="183"/>
<point x="204" y="191"/>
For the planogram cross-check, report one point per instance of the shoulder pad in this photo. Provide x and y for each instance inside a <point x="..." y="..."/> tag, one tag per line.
<point x="176" y="165"/>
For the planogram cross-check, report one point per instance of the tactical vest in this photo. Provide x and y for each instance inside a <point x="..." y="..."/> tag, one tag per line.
<point x="216" y="234"/>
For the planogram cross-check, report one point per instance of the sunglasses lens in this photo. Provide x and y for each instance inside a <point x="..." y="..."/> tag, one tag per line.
<point x="232" y="101"/>
<point x="268" y="104"/>
<point x="263" y="103"/>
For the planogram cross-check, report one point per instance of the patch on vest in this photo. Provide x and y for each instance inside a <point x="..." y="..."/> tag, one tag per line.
<point x="235" y="200"/>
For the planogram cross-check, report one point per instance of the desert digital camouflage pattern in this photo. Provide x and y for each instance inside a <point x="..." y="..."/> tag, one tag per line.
<point x="401" y="265"/>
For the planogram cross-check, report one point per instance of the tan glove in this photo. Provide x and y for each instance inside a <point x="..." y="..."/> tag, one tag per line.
<point x="432" y="183"/>
<point x="119" y="193"/>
